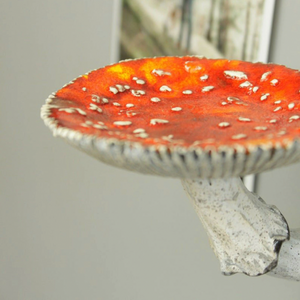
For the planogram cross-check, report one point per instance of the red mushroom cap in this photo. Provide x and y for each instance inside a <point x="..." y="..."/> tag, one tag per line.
<point x="187" y="105"/>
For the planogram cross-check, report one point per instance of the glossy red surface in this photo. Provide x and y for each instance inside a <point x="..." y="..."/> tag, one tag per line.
<point x="201" y="102"/>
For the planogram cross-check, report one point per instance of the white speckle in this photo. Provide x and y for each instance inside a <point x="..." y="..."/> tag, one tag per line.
<point x="116" y="104"/>
<point x="292" y="118"/>
<point x="99" y="126"/>
<point x="131" y="113"/>
<point x="139" y="130"/>
<point x="140" y="81"/>
<point x="260" y="128"/>
<point x="134" y="78"/>
<point x="224" y="103"/>
<point x="113" y="90"/>
<point x="165" y="88"/>
<point x="160" y="72"/>
<point x="207" y="88"/>
<point x="122" y="123"/>
<point x="187" y="92"/>
<point x="120" y="88"/>
<point x="291" y="106"/>
<point x="274" y="82"/>
<point x="129" y="105"/>
<point x="255" y="89"/>
<point x="235" y="75"/>
<point x="168" y="137"/>
<point x="95" y="98"/>
<point x="81" y="111"/>
<point x="277" y="108"/>
<point x="265" y="76"/>
<point x="84" y="125"/>
<point x="126" y="86"/>
<point x="89" y="123"/>
<point x="239" y="136"/>
<point x="67" y="110"/>
<point x="224" y="124"/>
<point x="95" y="107"/>
<point x="282" y="132"/>
<point x="273" y="121"/>
<point x="155" y="99"/>
<point x="104" y="100"/>
<point x="176" y="108"/>
<point x="142" y="135"/>
<point x="231" y="99"/>
<point x="245" y="84"/>
<point x="138" y="93"/>
<point x="244" y="119"/>
<point x="158" y="121"/>
<point x="264" y="97"/>
<point x="84" y="89"/>
<point x="277" y="102"/>
<point x="204" y="77"/>
<point x="187" y="68"/>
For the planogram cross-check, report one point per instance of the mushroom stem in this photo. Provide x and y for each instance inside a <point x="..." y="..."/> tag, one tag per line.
<point x="289" y="263"/>
<point x="245" y="233"/>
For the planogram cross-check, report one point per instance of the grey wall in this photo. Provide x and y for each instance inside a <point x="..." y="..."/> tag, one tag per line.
<point x="74" y="228"/>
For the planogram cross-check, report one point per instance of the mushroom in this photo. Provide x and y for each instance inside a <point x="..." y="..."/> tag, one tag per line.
<point x="159" y="116"/>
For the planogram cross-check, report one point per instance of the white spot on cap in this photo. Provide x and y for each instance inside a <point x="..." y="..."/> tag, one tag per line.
<point x="244" y="119"/>
<point x="120" y="88"/>
<point x="160" y="72"/>
<point x="265" y="76"/>
<point x="155" y="99"/>
<point x="142" y="135"/>
<point x="158" y="121"/>
<point x="187" y="68"/>
<point x="126" y="86"/>
<point x="129" y="105"/>
<point x="116" y="104"/>
<point x="165" y="88"/>
<point x="187" y="92"/>
<point x="207" y="88"/>
<point x="140" y="81"/>
<point x="176" y="108"/>
<point x="122" y="123"/>
<point x="105" y="100"/>
<point x="291" y="106"/>
<point x="139" y="130"/>
<point x="138" y="93"/>
<point x="114" y="90"/>
<point x="277" y="102"/>
<point x="99" y="126"/>
<point x="277" y="108"/>
<point x="239" y="136"/>
<point x="264" y="97"/>
<point x="292" y="118"/>
<point x="245" y="84"/>
<point x="95" y="98"/>
<point x="204" y="77"/>
<point x="84" y="89"/>
<point x="224" y="124"/>
<point x="95" y="107"/>
<point x="260" y="128"/>
<point x="231" y="99"/>
<point x="255" y="89"/>
<point x="273" y="121"/>
<point x="235" y="75"/>
<point x="274" y="82"/>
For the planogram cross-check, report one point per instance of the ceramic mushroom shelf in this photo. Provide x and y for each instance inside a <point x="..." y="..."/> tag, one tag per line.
<point x="207" y="122"/>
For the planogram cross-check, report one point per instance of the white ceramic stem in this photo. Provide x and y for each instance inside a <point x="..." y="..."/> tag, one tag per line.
<point x="289" y="258"/>
<point x="245" y="233"/>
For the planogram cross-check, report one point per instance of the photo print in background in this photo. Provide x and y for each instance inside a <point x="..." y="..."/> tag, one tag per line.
<point x="231" y="29"/>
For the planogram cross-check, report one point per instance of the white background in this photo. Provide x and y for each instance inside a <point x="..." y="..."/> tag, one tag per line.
<point x="73" y="228"/>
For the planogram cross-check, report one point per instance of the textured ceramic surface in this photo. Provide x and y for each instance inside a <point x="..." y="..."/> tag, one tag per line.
<point x="183" y="117"/>
<point x="245" y="233"/>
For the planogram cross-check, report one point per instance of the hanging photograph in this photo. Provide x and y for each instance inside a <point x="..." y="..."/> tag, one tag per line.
<point x="232" y="29"/>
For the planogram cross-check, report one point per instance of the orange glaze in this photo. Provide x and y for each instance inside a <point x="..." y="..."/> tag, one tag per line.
<point x="197" y="116"/>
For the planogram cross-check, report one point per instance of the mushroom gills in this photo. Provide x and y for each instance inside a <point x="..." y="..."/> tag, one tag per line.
<point x="245" y="233"/>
